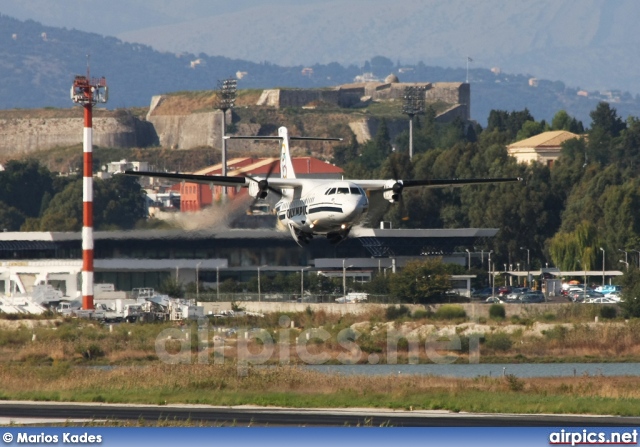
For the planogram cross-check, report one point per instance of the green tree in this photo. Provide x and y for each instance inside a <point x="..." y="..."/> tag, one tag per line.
<point x="343" y="154"/>
<point x="171" y="287"/>
<point x="118" y="203"/>
<point x="606" y="119"/>
<point x="64" y="212"/>
<point x="530" y="129"/>
<point x="422" y="281"/>
<point x="563" y="121"/>
<point x="630" y="303"/>
<point x="374" y="152"/>
<point x="24" y="184"/>
<point x="10" y="218"/>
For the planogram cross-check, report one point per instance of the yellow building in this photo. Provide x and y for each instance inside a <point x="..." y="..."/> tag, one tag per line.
<point x="543" y="148"/>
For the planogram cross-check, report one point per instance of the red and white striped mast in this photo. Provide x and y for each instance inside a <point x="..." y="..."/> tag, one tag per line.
<point x="88" y="92"/>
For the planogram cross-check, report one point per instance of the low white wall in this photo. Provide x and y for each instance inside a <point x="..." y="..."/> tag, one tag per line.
<point x="473" y="310"/>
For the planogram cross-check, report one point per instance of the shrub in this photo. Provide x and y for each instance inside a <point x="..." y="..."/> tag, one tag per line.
<point x="514" y="383"/>
<point x="608" y="312"/>
<point x="450" y="312"/>
<point x="420" y="313"/>
<point x="558" y="333"/>
<point x="497" y="312"/>
<point x="90" y="352"/>
<point x="548" y="316"/>
<point x="498" y="341"/>
<point x="395" y="312"/>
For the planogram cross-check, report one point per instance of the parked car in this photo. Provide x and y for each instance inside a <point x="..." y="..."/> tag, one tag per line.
<point x="608" y="289"/>
<point x="602" y="300"/>
<point x="494" y="299"/>
<point x="615" y="296"/>
<point x="515" y="293"/>
<point x="483" y="294"/>
<point x="579" y="297"/>
<point x="532" y="297"/>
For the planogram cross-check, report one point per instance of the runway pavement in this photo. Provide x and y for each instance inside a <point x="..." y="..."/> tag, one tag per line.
<point x="36" y="413"/>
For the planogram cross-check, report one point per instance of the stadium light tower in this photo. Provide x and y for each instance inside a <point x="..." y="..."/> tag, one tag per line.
<point x="227" y="90"/>
<point x="413" y="105"/>
<point x="88" y="92"/>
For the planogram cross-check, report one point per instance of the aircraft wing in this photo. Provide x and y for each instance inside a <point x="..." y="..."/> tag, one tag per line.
<point x="193" y="178"/>
<point x="431" y="183"/>
<point x="228" y="180"/>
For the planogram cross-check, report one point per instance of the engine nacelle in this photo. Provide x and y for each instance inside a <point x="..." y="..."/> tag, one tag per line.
<point x="392" y="190"/>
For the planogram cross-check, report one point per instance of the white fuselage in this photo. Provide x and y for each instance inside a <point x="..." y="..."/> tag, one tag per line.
<point x="323" y="207"/>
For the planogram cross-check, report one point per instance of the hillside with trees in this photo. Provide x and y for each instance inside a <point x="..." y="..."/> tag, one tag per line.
<point x="38" y="63"/>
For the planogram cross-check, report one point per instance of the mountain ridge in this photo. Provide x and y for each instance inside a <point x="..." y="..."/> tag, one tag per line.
<point x="38" y="63"/>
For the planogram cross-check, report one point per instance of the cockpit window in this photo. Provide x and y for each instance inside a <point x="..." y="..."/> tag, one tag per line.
<point x="343" y="190"/>
<point x="330" y="191"/>
<point x="355" y="190"/>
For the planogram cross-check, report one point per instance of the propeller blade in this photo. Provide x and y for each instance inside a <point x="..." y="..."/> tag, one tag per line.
<point x="263" y="185"/>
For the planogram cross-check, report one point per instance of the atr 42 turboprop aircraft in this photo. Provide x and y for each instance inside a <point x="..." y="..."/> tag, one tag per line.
<point x="311" y="207"/>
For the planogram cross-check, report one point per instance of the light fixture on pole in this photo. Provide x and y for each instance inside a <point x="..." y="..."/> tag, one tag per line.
<point x="625" y="263"/>
<point x="603" y="266"/>
<point x="638" y="251"/>
<point x="505" y="275"/>
<point x="413" y="105"/>
<point x="344" y="279"/>
<point x="217" y="283"/>
<point x="259" y="293"/>
<point x="226" y="99"/>
<point x="302" y="282"/>
<point x="198" y="280"/>
<point x="585" y="274"/>
<point x="489" y="268"/>
<point x="528" y="264"/>
<point x="469" y="253"/>
<point x="626" y="255"/>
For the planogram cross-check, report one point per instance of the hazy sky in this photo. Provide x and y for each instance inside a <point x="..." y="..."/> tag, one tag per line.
<point x="586" y="43"/>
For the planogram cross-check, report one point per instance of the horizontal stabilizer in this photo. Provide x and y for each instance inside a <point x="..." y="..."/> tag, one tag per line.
<point x="262" y="137"/>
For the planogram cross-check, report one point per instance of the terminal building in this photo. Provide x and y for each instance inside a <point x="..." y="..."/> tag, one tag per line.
<point x="133" y="259"/>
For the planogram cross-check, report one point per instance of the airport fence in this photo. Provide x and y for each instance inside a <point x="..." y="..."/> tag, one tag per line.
<point x="290" y="298"/>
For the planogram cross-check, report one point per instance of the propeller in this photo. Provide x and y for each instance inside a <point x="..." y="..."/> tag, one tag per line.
<point x="397" y="188"/>
<point x="263" y="185"/>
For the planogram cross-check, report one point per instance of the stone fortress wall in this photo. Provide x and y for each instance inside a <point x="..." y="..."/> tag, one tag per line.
<point x="21" y="136"/>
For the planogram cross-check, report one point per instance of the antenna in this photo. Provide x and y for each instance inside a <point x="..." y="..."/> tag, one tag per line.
<point x="88" y="92"/>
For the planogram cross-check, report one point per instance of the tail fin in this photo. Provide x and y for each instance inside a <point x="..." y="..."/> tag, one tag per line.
<point x="286" y="165"/>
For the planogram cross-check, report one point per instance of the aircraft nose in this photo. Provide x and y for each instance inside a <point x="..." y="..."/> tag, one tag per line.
<point x="352" y="208"/>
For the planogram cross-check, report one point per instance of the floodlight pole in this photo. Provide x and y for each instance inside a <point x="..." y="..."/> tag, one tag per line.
<point x="413" y="105"/>
<point x="227" y="90"/>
